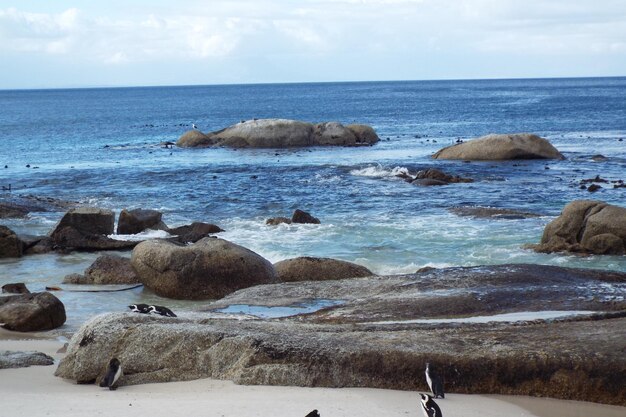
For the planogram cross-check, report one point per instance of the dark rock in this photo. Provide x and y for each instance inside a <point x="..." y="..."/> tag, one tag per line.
<point x="13" y="359"/>
<point x="316" y="269"/>
<point x="68" y="239"/>
<point x="501" y="147"/>
<point x="427" y="182"/>
<point x="593" y="188"/>
<point x="195" y="231"/>
<point x="348" y="345"/>
<point x="10" y="244"/>
<point x="107" y="270"/>
<point x="435" y="174"/>
<point x="425" y="269"/>
<point x="584" y="226"/>
<point x="599" y="158"/>
<point x="88" y="221"/>
<point x="300" y="216"/>
<point x="492" y="212"/>
<point x="39" y="245"/>
<point x="31" y="312"/>
<point x="15" y="288"/>
<point x="209" y="268"/>
<point x="595" y="179"/>
<point x="136" y="221"/>
<point x="275" y="221"/>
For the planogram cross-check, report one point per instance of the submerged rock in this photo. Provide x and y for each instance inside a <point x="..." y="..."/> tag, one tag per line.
<point x="209" y="268"/>
<point x="501" y="147"/>
<point x="15" y="359"/>
<point x="31" y="312"/>
<point x="346" y="345"/>
<point x="586" y="226"/>
<point x="281" y="133"/>
<point x="316" y="269"/>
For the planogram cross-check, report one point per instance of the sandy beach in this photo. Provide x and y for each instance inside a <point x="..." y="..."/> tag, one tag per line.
<point x="35" y="391"/>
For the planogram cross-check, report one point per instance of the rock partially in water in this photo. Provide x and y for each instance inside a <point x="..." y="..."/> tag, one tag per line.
<point x="209" y="268"/>
<point x="275" y="221"/>
<point x="16" y="359"/>
<point x="10" y="245"/>
<point x="106" y="270"/>
<point x="31" y="312"/>
<point x="300" y="216"/>
<point x="342" y="346"/>
<point x="501" y="147"/>
<point x="136" y="221"/>
<point x="15" y="288"/>
<point x="586" y="226"/>
<point x="492" y="212"/>
<point x="195" y="139"/>
<point x="195" y="231"/>
<point x="308" y="268"/>
<point x="20" y="206"/>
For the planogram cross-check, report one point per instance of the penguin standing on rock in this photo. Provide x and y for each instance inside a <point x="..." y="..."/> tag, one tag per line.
<point x="429" y="406"/>
<point x="139" y="308"/>
<point x="164" y="311"/>
<point x="114" y="372"/>
<point x="434" y="381"/>
<point x="313" y="413"/>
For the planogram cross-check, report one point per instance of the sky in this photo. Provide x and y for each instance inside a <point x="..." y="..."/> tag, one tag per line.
<point x="56" y="44"/>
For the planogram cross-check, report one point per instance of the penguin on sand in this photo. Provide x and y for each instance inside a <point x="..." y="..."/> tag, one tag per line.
<point x="434" y="381"/>
<point x="429" y="406"/>
<point x="164" y="311"/>
<point x="114" y="372"/>
<point x="313" y="413"/>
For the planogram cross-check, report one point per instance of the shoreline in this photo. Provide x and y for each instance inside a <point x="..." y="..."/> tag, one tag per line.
<point x="35" y="391"/>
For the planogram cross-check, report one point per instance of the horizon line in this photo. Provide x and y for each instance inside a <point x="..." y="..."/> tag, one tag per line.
<point x="97" y="87"/>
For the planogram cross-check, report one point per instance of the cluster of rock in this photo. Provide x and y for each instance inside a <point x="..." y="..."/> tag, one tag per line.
<point x="90" y="228"/>
<point x="298" y="216"/>
<point x="369" y="340"/>
<point x="501" y="147"/>
<point x="281" y="133"/>
<point x="593" y="184"/>
<point x="433" y="176"/>
<point x="586" y="226"/>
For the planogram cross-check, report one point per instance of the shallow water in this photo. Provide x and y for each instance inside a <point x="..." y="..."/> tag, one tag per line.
<point x="100" y="147"/>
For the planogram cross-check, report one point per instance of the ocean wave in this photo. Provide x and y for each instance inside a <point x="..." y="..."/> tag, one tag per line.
<point x="378" y="171"/>
<point x="145" y="235"/>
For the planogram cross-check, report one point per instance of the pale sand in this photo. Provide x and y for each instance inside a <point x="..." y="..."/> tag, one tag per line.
<point x="35" y="391"/>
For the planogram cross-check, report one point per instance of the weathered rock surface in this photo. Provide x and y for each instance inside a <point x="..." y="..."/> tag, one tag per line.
<point x="31" y="312"/>
<point x="348" y="345"/>
<point x="317" y="269"/>
<point x="501" y="147"/>
<point x="195" y="231"/>
<point x="586" y="226"/>
<point x="209" y="268"/>
<point x="195" y="139"/>
<point x="282" y="133"/>
<point x="107" y="270"/>
<point x="300" y="216"/>
<point x="15" y="359"/>
<point x="15" y="288"/>
<point x="492" y="213"/>
<point x="135" y="221"/>
<point x="10" y="244"/>
<point x="438" y="175"/>
<point x="20" y="206"/>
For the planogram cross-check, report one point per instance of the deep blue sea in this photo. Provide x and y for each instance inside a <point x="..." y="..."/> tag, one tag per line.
<point x="101" y="146"/>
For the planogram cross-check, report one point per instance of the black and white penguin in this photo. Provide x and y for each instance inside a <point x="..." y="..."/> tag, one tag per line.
<point x="164" y="311"/>
<point x="434" y="381"/>
<point x="139" y="308"/>
<point x="313" y="413"/>
<point x="429" y="406"/>
<point x="113" y="374"/>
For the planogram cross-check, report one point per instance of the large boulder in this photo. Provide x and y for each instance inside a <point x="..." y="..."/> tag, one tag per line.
<point x="136" y="221"/>
<point x="195" y="139"/>
<point x="586" y="226"/>
<point x="317" y="269"/>
<point x="209" y="268"/>
<point x="10" y="244"/>
<point x="107" y="270"/>
<point x="31" y="312"/>
<point x="282" y="133"/>
<point x="15" y="288"/>
<point x="501" y="147"/>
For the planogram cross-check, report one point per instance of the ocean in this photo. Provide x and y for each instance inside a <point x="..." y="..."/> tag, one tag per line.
<point x="102" y="147"/>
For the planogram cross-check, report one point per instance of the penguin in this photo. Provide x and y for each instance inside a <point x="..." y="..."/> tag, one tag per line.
<point x="313" y="413"/>
<point x="429" y="406"/>
<point x="164" y="311"/>
<point x="139" y="308"/>
<point x="434" y="382"/>
<point x="113" y="374"/>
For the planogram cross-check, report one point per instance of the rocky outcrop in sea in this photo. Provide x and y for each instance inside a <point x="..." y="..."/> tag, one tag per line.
<point x="501" y="147"/>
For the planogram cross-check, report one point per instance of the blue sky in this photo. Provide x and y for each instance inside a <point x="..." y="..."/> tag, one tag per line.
<point x="122" y="43"/>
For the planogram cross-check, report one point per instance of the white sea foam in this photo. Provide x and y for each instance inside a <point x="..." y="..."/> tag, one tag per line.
<point x="506" y="317"/>
<point x="145" y="235"/>
<point x="378" y="171"/>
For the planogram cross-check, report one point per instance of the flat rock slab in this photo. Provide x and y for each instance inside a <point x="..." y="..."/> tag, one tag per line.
<point x="17" y="359"/>
<point x="345" y="345"/>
